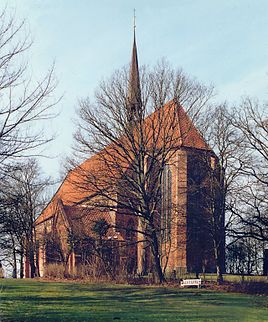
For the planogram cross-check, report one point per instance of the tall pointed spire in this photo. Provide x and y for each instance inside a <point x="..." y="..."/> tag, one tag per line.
<point x="134" y="91"/>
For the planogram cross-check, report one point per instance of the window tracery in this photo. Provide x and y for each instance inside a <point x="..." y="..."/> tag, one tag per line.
<point x="166" y="202"/>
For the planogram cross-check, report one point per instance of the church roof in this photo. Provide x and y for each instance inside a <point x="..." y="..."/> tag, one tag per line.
<point x="82" y="219"/>
<point x="175" y="123"/>
<point x="72" y="189"/>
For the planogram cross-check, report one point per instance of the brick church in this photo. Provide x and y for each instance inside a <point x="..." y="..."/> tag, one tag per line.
<point x="73" y="223"/>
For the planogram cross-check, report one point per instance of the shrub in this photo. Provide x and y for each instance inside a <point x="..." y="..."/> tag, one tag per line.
<point x="254" y="287"/>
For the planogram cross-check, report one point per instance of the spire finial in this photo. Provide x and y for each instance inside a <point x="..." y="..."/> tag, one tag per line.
<point x="134" y="20"/>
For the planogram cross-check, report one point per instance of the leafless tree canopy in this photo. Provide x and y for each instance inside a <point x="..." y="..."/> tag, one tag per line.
<point x="109" y="112"/>
<point x="22" y="197"/>
<point x="238" y="135"/>
<point x="251" y="206"/>
<point x="22" y="101"/>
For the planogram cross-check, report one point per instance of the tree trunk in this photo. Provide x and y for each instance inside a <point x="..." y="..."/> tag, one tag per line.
<point x="31" y="260"/>
<point x="219" y="228"/>
<point x="218" y="265"/>
<point x="219" y="275"/>
<point x="157" y="262"/>
<point x="143" y="270"/>
<point x="141" y="264"/>
<point x="36" y="252"/>
<point x="37" y="271"/>
<point x="14" y="272"/>
<point x="66" y="272"/>
<point x="22" y="263"/>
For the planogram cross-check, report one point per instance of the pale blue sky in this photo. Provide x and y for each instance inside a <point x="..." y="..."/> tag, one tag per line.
<point x="220" y="42"/>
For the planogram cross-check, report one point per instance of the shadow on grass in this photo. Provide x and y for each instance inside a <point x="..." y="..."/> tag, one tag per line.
<point x="41" y="301"/>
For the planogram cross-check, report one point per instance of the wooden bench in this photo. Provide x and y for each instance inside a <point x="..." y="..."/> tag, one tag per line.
<point x="191" y="282"/>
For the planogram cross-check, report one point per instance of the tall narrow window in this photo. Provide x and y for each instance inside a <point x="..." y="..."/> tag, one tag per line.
<point x="130" y="230"/>
<point x="166" y="206"/>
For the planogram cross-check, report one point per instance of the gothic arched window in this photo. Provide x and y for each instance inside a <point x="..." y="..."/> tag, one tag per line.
<point x="166" y="200"/>
<point x="130" y="230"/>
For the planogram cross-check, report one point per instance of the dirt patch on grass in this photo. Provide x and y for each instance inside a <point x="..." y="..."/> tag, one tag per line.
<point x="248" y="287"/>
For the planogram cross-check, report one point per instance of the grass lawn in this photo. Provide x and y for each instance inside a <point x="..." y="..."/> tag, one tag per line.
<point x="33" y="300"/>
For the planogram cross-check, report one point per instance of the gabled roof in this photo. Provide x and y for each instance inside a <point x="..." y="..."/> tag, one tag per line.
<point x="82" y="219"/>
<point x="172" y="121"/>
<point x="185" y="135"/>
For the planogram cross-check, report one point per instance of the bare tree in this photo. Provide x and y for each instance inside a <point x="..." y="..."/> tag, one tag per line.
<point x="22" y="101"/>
<point x="132" y="144"/>
<point x="244" y="256"/>
<point x="250" y="207"/>
<point x="225" y="176"/>
<point x="239" y="138"/>
<point x="22" y="198"/>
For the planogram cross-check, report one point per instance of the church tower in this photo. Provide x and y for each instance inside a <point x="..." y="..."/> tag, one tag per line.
<point x="134" y="103"/>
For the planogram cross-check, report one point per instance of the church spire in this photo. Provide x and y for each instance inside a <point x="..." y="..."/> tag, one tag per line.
<point x="134" y="92"/>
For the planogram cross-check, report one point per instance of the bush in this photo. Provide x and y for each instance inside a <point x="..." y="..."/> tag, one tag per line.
<point x="254" y="287"/>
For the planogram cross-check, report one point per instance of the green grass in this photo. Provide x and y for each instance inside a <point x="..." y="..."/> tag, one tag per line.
<point x="33" y="300"/>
